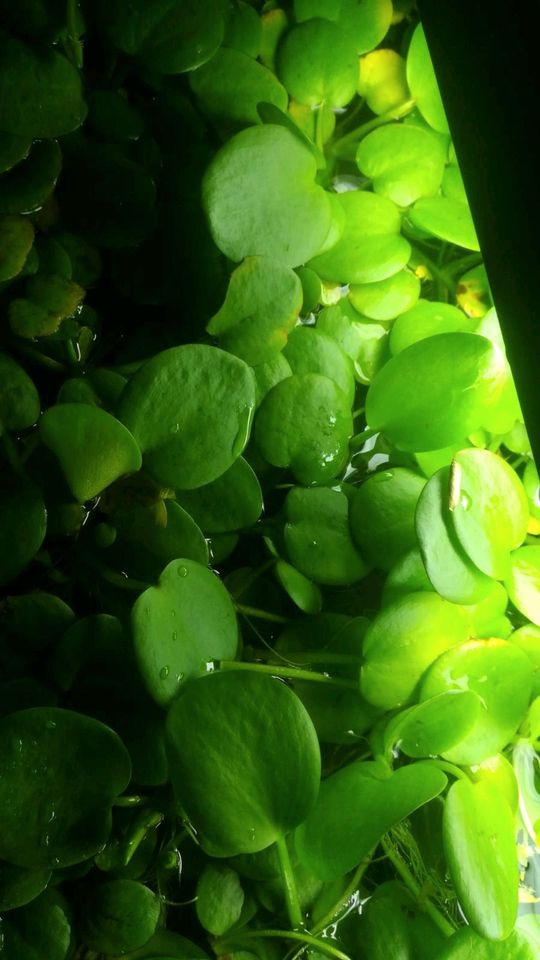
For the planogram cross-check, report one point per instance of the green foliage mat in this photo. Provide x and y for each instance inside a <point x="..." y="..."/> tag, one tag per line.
<point x="269" y="517"/>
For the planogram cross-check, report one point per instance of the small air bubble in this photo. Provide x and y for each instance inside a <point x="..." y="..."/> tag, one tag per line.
<point x="182" y="571"/>
<point x="164" y="672"/>
<point x="465" y="501"/>
<point x="51" y="724"/>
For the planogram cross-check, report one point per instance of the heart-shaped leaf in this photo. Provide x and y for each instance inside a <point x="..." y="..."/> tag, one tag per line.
<point x="244" y="759"/>
<point x="382" y="80"/>
<point x="40" y="931"/>
<point x="231" y="502"/>
<point x="263" y="301"/>
<point x="371" y="247"/>
<point x="365" y="20"/>
<point x="401" y="643"/>
<point x="479" y="841"/>
<point x="180" y="625"/>
<point x="404" y="162"/>
<point x="452" y="574"/>
<point x="318" y="538"/>
<point x="302" y="591"/>
<point x="462" y="376"/>
<point x="426" y="319"/>
<point x="435" y="725"/>
<point x="500" y="674"/>
<point x="16" y="239"/>
<point x="490" y="513"/>
<point x="185" y="443"/>
<point x="305" y="423"/>
<point x="356" y="806"/>
<point x="387" y="298"/>
<point x="220" y="898"/>
<point x="446" y="219"/>
<point x="261" y="199"/>
<point x="231" y="84"/>
<point x="19" y="400"/>
<point x="56" y="811"/>
<point x="382" y="515"/>
<point x="311" y="351"/>
<point x="119" y="916"/>
<point x="317" y="63"/>
<point x="94" y="449"/>
<point x="42" y="93"/>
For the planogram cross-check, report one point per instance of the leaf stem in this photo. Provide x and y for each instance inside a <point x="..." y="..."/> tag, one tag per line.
<point x="288" y="673"/>
<point x="340" y="905"/>
<point x="222" y="946"/>
<point x="423" y="903"/>
<point x="448" y="768"/>
<point x="290" y="889"/>
<point x="260" y="614"/>
<point x="321" y="656"/>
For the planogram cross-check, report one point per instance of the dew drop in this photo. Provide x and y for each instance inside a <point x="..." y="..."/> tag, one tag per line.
<point x="175" y="635"/>
<point x="465" y="501"/>
<point x="182" y="571"/>
<point x="45" y="840"/>
<point x="51" y="724"/>
<point x="164" y="672"/>
<point x="179" y="677"/>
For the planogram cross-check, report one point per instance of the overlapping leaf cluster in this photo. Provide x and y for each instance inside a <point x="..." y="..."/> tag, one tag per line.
<point x="268" y="510"/>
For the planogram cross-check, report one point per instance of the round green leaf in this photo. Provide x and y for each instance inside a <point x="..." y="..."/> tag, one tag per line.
<point x="401" y="643"/>
<point x="42" y="94"/>
<point x="382" y="515"/>
<point x="263" y="301"/>
<point x="231" y="84"/>
<point x="387" y="298"/>
<point x="305" y="423"/>
<point x="404" y="162"/>
<point x="465" y="943"/>
<point x="371" y="247"/>
<point x="302" y="591"/>
<point x="13" y="149"/>
<point x="19" y="400"/>
<point x="499" y="772"/>
<point x="490" y="511"/>
<point x="523" y="582"/>
<point x="527" y="638"/>
<point x="243" y="30"/>
<point x="16" y="239"/>
<point x="341" y="322"/>
<point x="55" y="810"/>
<point x="268" y="374"/>
<point x="318" y="539"/>
<point x="40" y="931"/>
<point x="310" y="351"/>
<point x="426" y="319"/>
<point x="382" y="80"/>
<point x="436" y="725"/>
<point x="423" y="82"/>
<point x="447" y="219"/>
<point x="480" y="847"/>
<point x="26" y="187"/>
<point x="165" y="536"/>
<point x="167" y="36"/>
<point x="23" y="521"/>
<point x="501" y="675"/>
<point x="180" y="625"/>
<point x="367" y="21"/>
<point x="244" y="759"/>
<point x="220" y="898"/>
<point x="260" y="196"/>
<point x="186" y="443"/>
<point x="20" y="885"/>
<point x="119" y="916"/>
<point x="452" y="574"/>
<point x="94" y="449"/>
<point x="460" y="375"/>
<point x="356" y="806"/>
<point x="231" y="502"/>
<point x="317" y="63"/>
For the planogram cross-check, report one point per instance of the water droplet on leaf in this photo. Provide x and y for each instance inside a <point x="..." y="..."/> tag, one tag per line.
<point x="182" y="571"/>
<point x="164" y="672"/>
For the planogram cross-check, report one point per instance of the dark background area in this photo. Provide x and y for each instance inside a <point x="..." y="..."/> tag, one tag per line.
<point x="486" y="58"/>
